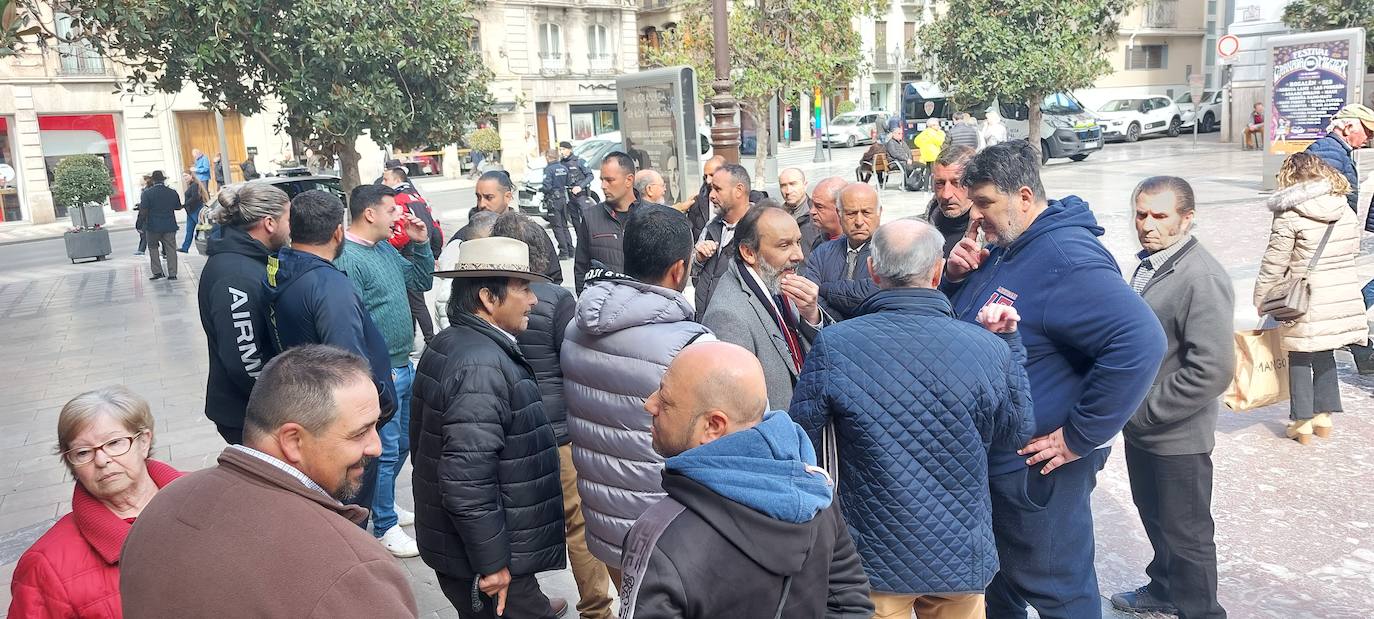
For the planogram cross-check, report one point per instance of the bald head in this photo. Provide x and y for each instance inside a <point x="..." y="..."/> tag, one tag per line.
<point x="792" y="184"/>
<point x="859" y="212"/>
<point x="712" y="165"/>
<point x="711" y="390"/>
<point x="649" y="184"/>
<point x="907" y="253"/>
<point x="823" y="200"/>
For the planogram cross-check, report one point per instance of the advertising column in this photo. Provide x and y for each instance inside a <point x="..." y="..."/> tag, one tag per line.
<point x="658" y="125"/>
<point x="1310" y="77"/>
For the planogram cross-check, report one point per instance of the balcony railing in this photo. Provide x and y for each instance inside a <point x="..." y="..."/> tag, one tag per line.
<point x="75" y="59"/>
<point x="552" y="63"/>
<point x="601" y="63"/>
<point x="1161" y="14"/>
<point x="884" y="60"/>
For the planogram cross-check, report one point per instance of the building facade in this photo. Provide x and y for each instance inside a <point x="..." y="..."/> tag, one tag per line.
<point x="554" y="66"/>
<point x="62" y="99"/>
<point x="1160" y="44"/>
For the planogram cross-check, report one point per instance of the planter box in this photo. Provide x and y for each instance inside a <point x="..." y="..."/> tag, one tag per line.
<point x="88" y="216"/>
<point x="87" y="244"/>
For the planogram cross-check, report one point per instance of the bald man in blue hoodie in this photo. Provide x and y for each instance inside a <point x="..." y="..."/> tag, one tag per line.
<point x="749" y="527"/>
<point x="1093" y="349"/>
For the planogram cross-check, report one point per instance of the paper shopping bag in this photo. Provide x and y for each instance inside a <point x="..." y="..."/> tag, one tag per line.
<point x="1261" y="376"/>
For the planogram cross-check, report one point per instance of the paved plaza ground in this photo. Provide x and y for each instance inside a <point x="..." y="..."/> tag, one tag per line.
<point x="1295" y="525"/>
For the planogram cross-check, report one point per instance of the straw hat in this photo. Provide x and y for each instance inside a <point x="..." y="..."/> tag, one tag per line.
<point x="493" y="257"/>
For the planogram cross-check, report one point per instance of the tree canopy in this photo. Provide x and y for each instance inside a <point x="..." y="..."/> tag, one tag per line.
<point x="403" y="71"/>
<point x="776" y="47"/>
<point x="1319" y="15"/>
<point x="1021" y="51"/>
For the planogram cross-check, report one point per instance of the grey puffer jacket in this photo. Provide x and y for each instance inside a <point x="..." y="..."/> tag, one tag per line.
<point x="620" y="342"/>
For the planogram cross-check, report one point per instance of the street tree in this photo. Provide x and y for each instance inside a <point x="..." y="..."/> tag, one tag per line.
<point x="777" y="47"/>
<point x="1319" y="15"/>
<point x="404" y="72"/>
<point x="1021" y="51"/>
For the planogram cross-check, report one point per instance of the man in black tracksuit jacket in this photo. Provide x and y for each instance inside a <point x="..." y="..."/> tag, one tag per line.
<point x="233" y="310"/>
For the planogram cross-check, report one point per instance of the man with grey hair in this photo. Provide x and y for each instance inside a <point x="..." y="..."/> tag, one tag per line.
<point x="840" y="267"/>
<point x="825" y="213"/>
<point x="914" y="480"/>
<point x="271" y="513"/>
<point x="649" y="185"/>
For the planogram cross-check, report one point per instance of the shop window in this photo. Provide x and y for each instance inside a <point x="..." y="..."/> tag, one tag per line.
<point x="89" y="134"/>
<point x="10" y="209"/>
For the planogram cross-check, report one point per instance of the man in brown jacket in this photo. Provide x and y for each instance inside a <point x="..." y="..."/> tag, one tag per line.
<point x="264" y="533"/>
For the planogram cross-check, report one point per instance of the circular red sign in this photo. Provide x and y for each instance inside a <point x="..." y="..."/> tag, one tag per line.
<point x="1228" y="46"/>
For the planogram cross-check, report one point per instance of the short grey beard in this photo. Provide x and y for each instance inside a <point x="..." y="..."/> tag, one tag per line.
<point x="772" y="278"/>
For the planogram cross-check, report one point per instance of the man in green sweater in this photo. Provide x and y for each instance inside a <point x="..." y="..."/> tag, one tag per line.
<point x="383" y="274"/>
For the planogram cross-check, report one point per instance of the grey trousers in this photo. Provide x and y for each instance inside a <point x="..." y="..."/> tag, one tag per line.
<point x="1313" y="385"/>
<point x="163" y="245"/>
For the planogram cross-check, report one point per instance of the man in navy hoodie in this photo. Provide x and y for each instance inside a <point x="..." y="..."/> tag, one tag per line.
<point x="1093" y="349"/>
<point x="313" y="302"/>
<point x="749" y="527"/>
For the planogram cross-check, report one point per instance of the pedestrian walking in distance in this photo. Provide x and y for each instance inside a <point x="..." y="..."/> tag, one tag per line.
<point x="162" y="203"/>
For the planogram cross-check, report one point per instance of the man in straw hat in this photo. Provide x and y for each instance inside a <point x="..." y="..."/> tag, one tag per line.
<point x="488" y="502"/>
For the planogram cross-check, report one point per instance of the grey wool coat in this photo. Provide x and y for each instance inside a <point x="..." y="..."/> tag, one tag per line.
<point x="737" y="316"/>
<point x="1192" y="296"/>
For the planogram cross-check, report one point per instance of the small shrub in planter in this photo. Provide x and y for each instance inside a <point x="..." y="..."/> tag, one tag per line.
<point x="81" y="184"/>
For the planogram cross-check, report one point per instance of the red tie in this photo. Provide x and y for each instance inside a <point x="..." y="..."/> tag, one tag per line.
<point x="788" y="333"/>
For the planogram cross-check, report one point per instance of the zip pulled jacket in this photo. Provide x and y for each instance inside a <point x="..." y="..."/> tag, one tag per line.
<point x="234" y="316"/>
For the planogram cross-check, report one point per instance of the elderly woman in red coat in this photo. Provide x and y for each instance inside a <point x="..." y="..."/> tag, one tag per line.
<point x="104" y="437"/>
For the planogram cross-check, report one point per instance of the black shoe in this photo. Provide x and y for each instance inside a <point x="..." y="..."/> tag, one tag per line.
<point x="155" y="277"/>
<point x="1364" y="358"/>
<point x="171" y="278"/>
<point x="1142" y="601"/>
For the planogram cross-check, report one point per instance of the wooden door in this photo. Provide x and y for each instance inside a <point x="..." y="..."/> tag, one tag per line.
<point x="541" y="115"/>
<point x="197" y="130"/>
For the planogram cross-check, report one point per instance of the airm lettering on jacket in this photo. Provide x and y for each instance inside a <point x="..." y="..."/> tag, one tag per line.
<point x="243" y="321"/>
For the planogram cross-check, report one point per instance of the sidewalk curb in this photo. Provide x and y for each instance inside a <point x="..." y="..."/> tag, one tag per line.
<point x="49" y="237"/>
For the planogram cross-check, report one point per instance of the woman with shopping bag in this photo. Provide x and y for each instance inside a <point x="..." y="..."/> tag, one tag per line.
<point x="1309" y="283"/>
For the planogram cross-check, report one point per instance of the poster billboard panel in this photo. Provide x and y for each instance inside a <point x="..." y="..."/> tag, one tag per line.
<point x="658" y="125"/>
<point x="1310" y="77"/>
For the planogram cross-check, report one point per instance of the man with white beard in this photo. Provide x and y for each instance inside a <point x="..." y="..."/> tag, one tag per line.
<point x="762" y="304"/>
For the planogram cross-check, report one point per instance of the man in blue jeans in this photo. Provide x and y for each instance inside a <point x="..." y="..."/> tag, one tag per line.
<point x="1093" y="348"/>
<point x="383" y="276"/>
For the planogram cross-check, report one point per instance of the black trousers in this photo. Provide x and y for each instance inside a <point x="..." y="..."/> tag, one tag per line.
<point x="1174" y="497"/>
<point x="1313" y="385"/>
<point x="524" y="600"/>
<point x="558" y="220"/>
<point x="420" y="313"/>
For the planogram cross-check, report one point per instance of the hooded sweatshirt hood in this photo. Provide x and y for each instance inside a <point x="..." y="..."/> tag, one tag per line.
<point x="616" y="302"/>
<point x="1312" y="199"/>
<point x="1070" y="211"/>
<point x="232" y="240"/>
<point x="770" y="468"/>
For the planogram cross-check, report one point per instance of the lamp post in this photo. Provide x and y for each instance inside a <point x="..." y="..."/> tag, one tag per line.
<point x="724" y="131"/>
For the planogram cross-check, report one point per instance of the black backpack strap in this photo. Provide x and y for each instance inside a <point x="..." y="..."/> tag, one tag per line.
<point x="639" y="548"/>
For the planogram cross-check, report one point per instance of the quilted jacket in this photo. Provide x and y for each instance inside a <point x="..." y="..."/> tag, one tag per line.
<point x="1335" y="314"/>
<point x="914" y="418"/>
<point x="617" y="348"/>
<point x="487" y="492"/>
<point x="541" y="342"/>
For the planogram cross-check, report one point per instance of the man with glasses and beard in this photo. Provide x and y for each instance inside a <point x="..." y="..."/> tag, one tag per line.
<point x="266" y="532"/>
<point x="761" y="303"/>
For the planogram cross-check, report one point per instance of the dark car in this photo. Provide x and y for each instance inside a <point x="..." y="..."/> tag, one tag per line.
<point x="293" y="181"/>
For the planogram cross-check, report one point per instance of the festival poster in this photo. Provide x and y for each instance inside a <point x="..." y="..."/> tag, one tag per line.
<point x="1310" y="86"/>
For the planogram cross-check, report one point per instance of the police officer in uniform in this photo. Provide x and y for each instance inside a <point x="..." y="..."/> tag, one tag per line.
<point x="556" y="199"/>
<point x="579" y="183"/>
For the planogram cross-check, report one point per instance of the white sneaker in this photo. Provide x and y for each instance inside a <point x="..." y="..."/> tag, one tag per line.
<point x="399" y="544"/>
<point x="404" y="517"/>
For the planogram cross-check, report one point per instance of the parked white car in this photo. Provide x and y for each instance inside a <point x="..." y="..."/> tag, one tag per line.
<point x="851" y="129"/>
<point x="1210" y="110"/>
<point x="1128" y="119"/>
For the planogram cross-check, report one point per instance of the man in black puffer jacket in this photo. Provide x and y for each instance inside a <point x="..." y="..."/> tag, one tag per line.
<point x="542" y="343"/>
<point x="488" y="509"/>
<point x="254" y="224"/>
